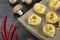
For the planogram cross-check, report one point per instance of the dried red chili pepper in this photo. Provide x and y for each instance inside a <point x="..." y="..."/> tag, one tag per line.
<point x="4" y="31"/>
<point x="11" y="32"/>
<point x="16" y="38"/>
<point x="3" y="28"/>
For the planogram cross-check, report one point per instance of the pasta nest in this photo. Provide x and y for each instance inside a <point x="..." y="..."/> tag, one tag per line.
<point x="39" y="8"/>
<point x="49" y="30"/>
<point x="54" y="4"/>
<point x="51" y="17"/>
<point x="34" y="20"/>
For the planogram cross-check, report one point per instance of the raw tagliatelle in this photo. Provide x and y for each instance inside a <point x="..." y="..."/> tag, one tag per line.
<point x="54" y="4"/>
<point x="49" y="30"/>
<point x="51" y="17"/>
<point x="39" y="8"/>
<point x="34" y="20"/>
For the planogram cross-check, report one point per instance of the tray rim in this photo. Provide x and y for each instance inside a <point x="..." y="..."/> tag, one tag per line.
<point x="31" y="32"/>
<point x="28" y="28"/>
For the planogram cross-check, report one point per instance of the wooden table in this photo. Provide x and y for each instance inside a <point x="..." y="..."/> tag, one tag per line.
<point x="5" y="10"/>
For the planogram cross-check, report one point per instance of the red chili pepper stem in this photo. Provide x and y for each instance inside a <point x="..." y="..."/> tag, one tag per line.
<point x="3" y="28"/>
<point x="11" y="32"/>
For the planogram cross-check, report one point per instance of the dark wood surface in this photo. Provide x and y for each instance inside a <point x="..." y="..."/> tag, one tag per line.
<point x="6" y="10"/>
